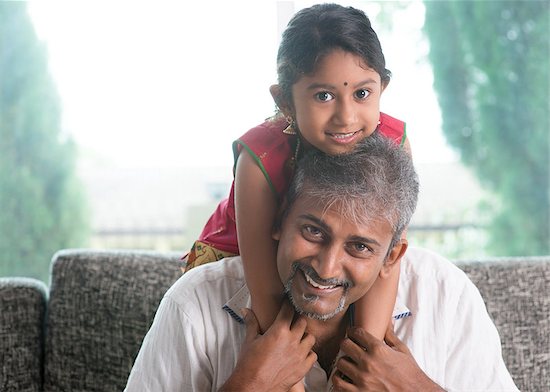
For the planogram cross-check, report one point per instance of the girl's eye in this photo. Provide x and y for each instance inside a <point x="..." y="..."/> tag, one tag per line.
<point x="312" y="233"/>
<point x="362" y="94"/>
<point x="324" y="96"/>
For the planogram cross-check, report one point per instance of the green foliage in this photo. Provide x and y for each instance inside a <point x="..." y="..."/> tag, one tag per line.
<point x="41" y="205"/>
<point x="491" y="62"/>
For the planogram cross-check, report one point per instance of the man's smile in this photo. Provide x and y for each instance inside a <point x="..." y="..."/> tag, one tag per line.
<point x="317" y="285"/>
<point x="313" y="296"/>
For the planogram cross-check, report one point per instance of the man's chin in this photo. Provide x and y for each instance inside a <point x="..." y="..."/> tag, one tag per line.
<point x="309" y="306"/>
<point x="319" y="316"/>
<point x="307" y="303"/>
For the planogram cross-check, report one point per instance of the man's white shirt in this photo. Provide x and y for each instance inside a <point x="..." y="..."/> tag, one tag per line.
<point x="195" y="339"/>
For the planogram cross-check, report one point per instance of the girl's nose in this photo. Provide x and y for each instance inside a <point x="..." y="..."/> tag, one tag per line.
<point x="345" y="113"/>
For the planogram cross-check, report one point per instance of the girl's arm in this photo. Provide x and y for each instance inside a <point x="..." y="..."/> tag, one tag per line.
<point x="374" y="310"/>
<point x="255" y="212"/>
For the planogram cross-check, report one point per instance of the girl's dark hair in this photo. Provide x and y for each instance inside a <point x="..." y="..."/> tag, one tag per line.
<point x="313" y="32"/>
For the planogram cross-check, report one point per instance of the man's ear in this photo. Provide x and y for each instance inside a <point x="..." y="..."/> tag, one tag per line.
<point x="394" y="256"/>
<point x="284" y="106"/>
<point x="276" y="232"/>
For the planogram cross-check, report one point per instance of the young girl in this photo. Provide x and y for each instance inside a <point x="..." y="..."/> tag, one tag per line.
<point x="331" y="73"/>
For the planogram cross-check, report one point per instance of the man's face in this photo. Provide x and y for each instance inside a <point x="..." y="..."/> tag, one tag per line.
<point x="326" y="261"/>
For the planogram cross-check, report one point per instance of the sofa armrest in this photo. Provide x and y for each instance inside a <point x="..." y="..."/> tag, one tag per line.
<point x="22" y="310"/>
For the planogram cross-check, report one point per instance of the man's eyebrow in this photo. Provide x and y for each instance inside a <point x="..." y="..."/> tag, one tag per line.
<point x="317" y="220"/>
<point x="371" y="241"/>
<point x="325" y="227"/>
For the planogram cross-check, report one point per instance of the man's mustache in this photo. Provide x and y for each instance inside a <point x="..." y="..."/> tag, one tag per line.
<point x="310" y="271"/>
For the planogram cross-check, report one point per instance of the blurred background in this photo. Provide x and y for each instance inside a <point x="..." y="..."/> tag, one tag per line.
<point x="116" y="119"/>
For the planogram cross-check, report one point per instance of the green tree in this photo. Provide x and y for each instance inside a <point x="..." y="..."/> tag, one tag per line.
<point x="491" y="62"/>
<point x="41" y="207"/>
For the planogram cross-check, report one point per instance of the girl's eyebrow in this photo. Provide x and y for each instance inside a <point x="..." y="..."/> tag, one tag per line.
<point x="366" y="82"/>
<point x="326" y="86"/>
<point x="317" y="86"/>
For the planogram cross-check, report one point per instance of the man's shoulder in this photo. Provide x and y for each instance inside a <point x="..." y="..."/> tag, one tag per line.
<point x="420" y="264"/>
<point x="213" y="282"/>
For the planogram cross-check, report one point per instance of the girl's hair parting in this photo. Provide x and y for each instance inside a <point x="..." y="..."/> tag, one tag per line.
<point x="315" y="31"/>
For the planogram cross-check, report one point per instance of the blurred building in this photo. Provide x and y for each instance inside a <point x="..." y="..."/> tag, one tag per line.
<point x="165" y="209"/>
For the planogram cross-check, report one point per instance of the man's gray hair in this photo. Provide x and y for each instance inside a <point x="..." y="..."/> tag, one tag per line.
<point x="374" y="182"/>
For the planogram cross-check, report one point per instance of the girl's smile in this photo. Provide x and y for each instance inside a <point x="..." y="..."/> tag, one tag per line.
<point x="345" y="138"/>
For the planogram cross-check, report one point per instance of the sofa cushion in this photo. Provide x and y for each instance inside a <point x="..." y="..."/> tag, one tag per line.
<point x="101" y="306"/>
<point x="22" y="310"/>
<point x="517" y="294"/>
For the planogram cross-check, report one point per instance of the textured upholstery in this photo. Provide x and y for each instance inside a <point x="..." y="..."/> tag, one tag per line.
<point x="101" y="305"/>
<point x="22" y="309"/>
<point x="517" y="294"/>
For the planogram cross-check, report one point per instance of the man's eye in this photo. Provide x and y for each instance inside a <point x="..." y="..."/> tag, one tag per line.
<point x="360" y="248"/>
<point x="361" y="94"/>
<point x="312" y="232"/>
<point x="324" y="96"/>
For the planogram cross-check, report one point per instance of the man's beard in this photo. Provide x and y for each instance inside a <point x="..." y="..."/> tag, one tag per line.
<point x="306" y="269"/>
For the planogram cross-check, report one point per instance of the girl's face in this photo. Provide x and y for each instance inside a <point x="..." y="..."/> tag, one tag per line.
<point x="339" y="104"/>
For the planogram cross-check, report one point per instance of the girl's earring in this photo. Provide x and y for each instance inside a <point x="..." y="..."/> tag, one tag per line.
<point x="289" y="130"/>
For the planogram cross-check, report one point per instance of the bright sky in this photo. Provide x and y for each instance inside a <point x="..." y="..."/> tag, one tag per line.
<point x="172" y="84"/>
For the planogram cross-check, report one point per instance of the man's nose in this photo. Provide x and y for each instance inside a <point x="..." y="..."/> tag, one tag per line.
<point x="328" y="262"/>
<point x="345" y="112"/>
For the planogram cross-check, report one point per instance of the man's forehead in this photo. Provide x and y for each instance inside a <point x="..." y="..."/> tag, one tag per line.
<point x="341" y="210"/>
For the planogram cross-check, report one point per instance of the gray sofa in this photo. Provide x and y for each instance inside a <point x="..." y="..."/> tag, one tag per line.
<point x="84" y="332"/>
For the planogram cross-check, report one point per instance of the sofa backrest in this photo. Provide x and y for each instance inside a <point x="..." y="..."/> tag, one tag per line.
<point x="101" y="306"/>
<point x="22" y="311"/>
<point x="517" y="294"/>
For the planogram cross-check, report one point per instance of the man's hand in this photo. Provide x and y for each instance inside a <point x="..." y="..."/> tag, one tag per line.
<point x="276" y="360"/>
<point x="369" y="364"/>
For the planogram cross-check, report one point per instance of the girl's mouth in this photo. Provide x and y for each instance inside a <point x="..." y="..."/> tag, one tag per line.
<point x="344" y="137"/>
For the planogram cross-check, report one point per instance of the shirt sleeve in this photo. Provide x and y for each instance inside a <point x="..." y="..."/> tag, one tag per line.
<point x="172" y="356"/>
<point x="474" y="354"/>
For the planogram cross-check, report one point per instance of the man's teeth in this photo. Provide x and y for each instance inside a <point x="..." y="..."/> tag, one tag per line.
<point x="317" y="285"/>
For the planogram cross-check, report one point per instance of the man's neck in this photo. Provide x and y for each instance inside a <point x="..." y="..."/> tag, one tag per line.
<point x="328" y="337"/>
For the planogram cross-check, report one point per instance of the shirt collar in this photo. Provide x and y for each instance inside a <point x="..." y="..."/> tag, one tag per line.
<point x="241" y="300"/>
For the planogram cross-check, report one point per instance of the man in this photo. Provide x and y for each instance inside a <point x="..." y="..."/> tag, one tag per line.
<point x="340" y="230"/>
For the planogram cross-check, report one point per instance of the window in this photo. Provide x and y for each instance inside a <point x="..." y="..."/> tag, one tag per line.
<point x="153" y="95"/>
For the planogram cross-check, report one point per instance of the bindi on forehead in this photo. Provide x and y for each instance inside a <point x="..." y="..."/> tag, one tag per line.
<point x="345" y="83"/>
